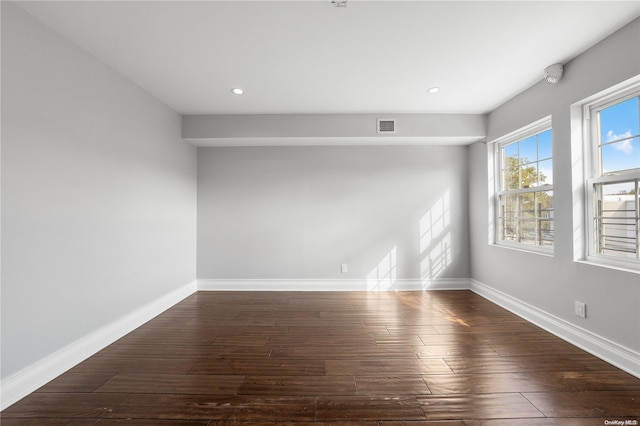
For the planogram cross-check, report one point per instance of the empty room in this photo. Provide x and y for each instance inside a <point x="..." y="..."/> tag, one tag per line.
<point x="338" y="212"/>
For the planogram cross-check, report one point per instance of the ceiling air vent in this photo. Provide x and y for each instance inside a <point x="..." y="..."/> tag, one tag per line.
<point x="386" y="125"/>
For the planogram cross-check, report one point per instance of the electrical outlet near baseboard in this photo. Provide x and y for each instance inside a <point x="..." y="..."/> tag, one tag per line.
<point x="580" y="309"/>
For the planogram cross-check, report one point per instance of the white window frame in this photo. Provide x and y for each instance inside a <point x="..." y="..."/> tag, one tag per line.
<point x="593" y="176"/>
<point x="495" y="147"/>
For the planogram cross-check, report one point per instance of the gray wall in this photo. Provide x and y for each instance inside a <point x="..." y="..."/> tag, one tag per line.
<point x="301" y="212"/>
<point x="98" y="194"/>
<point x="553" y="283"/>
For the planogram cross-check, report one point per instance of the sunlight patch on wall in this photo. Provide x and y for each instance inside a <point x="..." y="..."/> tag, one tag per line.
<point x="383" y="276"/>
<point x="435" y="240"/>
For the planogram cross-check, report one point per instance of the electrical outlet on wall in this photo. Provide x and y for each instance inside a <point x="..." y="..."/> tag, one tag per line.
<point x="343" y="268"/>
<point x="580" y="309"/>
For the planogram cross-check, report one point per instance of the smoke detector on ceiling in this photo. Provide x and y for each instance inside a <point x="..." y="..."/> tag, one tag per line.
<point x="386" y="126"/>
<point x="553" y="73"/>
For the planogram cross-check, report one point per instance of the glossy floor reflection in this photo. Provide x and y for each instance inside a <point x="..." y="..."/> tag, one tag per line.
<point x="348" y="358"/>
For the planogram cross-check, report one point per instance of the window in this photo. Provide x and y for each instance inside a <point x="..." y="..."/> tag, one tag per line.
<point x="612" y="145"/>
<point x="524" y="188"/>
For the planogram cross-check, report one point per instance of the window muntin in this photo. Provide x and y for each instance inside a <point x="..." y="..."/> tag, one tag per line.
<point x="614" y="205"/>
<point x="525" y="189"/>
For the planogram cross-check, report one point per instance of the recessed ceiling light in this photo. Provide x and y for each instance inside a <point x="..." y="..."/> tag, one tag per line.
<point x="433" y="90"/>
<point x="237" y="91"/>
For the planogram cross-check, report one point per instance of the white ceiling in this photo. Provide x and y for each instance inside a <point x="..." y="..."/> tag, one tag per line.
<point x="310" y="57"/>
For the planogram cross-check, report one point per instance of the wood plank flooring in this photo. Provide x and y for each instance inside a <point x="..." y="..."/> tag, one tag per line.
<point x="344" y="358"/>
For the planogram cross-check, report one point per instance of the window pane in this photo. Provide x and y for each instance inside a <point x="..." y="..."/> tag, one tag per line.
<point x="544" y="202"/>
<point x="615" y="219"/>
<point x="508" y="217"/>
<point x="511" y="151"/>
<point x="545" y="172"/>
<point x="528" y="149"/>
<point x="510" y="178"/>
<point x="529" y="175"/>
<point x="623" y="155"/>
<point x="544" y="145"/>
<point x="527" y="216"/>
<point x="619" y="121"/>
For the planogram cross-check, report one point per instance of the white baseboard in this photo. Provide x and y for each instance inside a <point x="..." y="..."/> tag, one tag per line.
<point x="447" y="284"/>
<point x="330" y="285"/>
<point x="624" y="358"/>
<point x="29" y="379"/>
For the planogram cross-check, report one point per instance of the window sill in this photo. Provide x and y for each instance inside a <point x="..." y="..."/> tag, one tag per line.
<point x="525" y="249"/>
<point x="618" y="266"/>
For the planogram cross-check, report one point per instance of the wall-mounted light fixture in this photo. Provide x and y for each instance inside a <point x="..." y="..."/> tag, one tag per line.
<point x="339" y="3"/>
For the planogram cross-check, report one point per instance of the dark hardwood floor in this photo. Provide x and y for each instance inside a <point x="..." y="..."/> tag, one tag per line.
<point x="352" y="358"/>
